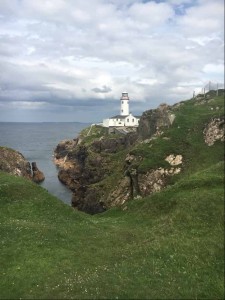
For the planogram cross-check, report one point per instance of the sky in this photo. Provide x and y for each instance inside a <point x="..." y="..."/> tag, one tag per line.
<point x="70" y="60"/>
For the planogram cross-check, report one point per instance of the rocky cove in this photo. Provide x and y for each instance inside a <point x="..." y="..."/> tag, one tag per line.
<point x="104" y="170"/>
<point x="13" y="162"/>
<point x="36" y="142"/>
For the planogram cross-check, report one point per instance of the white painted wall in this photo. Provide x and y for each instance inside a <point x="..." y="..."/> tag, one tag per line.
<point x="117" y="122"/>
<point x="105" y="123"/>
<point x="129" y="121"/>
<point x="124" y="107"/>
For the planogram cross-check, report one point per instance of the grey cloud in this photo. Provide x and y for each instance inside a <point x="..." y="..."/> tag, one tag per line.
<point x="103" y="89"/>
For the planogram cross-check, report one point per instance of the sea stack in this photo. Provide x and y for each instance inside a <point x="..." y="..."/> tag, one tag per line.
<point x="38" y="176"/>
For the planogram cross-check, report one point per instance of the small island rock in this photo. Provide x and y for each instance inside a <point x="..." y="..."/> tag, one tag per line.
<point x="38" y="176"/>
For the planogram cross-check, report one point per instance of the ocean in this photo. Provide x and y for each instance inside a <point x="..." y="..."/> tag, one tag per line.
<point x="37" y="141"/>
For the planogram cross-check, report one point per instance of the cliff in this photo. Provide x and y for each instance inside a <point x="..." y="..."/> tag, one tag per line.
<point x="106" y="170"/>
<point x="88" y="162"/>
<point x="13" y="162"/>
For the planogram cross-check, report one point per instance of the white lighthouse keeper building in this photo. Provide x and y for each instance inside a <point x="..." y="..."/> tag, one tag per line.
<point x="125" y="119"/>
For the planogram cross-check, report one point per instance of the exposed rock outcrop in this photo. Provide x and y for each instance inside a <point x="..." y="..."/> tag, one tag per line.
<point x="121" y="193"/>
<point x="79" y="169"/>
<point x="136" y="185"/>
<point x="14" y="162"/>
<point x="113" y="145"/>
<point x="62" y="149"/>
<point x="155" y="180"/>
<point x="105" y="170"/>
<point x="37" y="176"/>
<point x="83" y="165"/>
<point x="87" y="199"/>
<point x="174" y="160"/>
<point x="214" y="131"/>
<point x="153" y="120"/>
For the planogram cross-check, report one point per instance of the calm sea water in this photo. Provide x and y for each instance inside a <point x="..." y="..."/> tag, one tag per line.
<point x="37" y="141"/>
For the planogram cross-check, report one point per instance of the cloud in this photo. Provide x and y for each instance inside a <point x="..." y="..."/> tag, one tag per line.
<point x="104" y="89"/>
<point x="204" y="19"/>
<point x="59" y="54"/>
<point x="151" y="13"/>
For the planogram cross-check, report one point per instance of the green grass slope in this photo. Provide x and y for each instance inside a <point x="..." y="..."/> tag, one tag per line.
<point x="185" y="137"/>
<point x="169" y="246"/>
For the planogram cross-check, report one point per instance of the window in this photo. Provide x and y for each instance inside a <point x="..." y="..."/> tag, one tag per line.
<point x="127" y="120"/>
<point x="132" y="120"/>
<point x="122" y="102"/>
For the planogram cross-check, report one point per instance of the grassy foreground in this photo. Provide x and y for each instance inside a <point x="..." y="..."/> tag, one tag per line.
<point x="169" y="246"/>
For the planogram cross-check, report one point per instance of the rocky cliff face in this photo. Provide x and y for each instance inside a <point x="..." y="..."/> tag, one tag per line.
<point x="107" y="170"/>
<point x="152" y="121"/>
<point x="81" y="167"/>
<point x="13" y="162"/>
<point x="84" y="168"/>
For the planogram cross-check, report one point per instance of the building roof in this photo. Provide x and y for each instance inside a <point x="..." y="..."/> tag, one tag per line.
<point x="119" y="117"/>
<point x="124" y="117"/>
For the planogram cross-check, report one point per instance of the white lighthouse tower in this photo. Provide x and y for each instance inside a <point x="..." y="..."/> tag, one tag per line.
<point x="124" y="105"/>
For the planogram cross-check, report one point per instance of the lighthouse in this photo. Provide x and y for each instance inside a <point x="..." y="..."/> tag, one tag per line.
<point x="124" y="104"/>
<point x="125" y="118"/>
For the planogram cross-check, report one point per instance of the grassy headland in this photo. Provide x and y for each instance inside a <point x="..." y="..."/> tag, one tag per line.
<point x="167" y="246"/>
